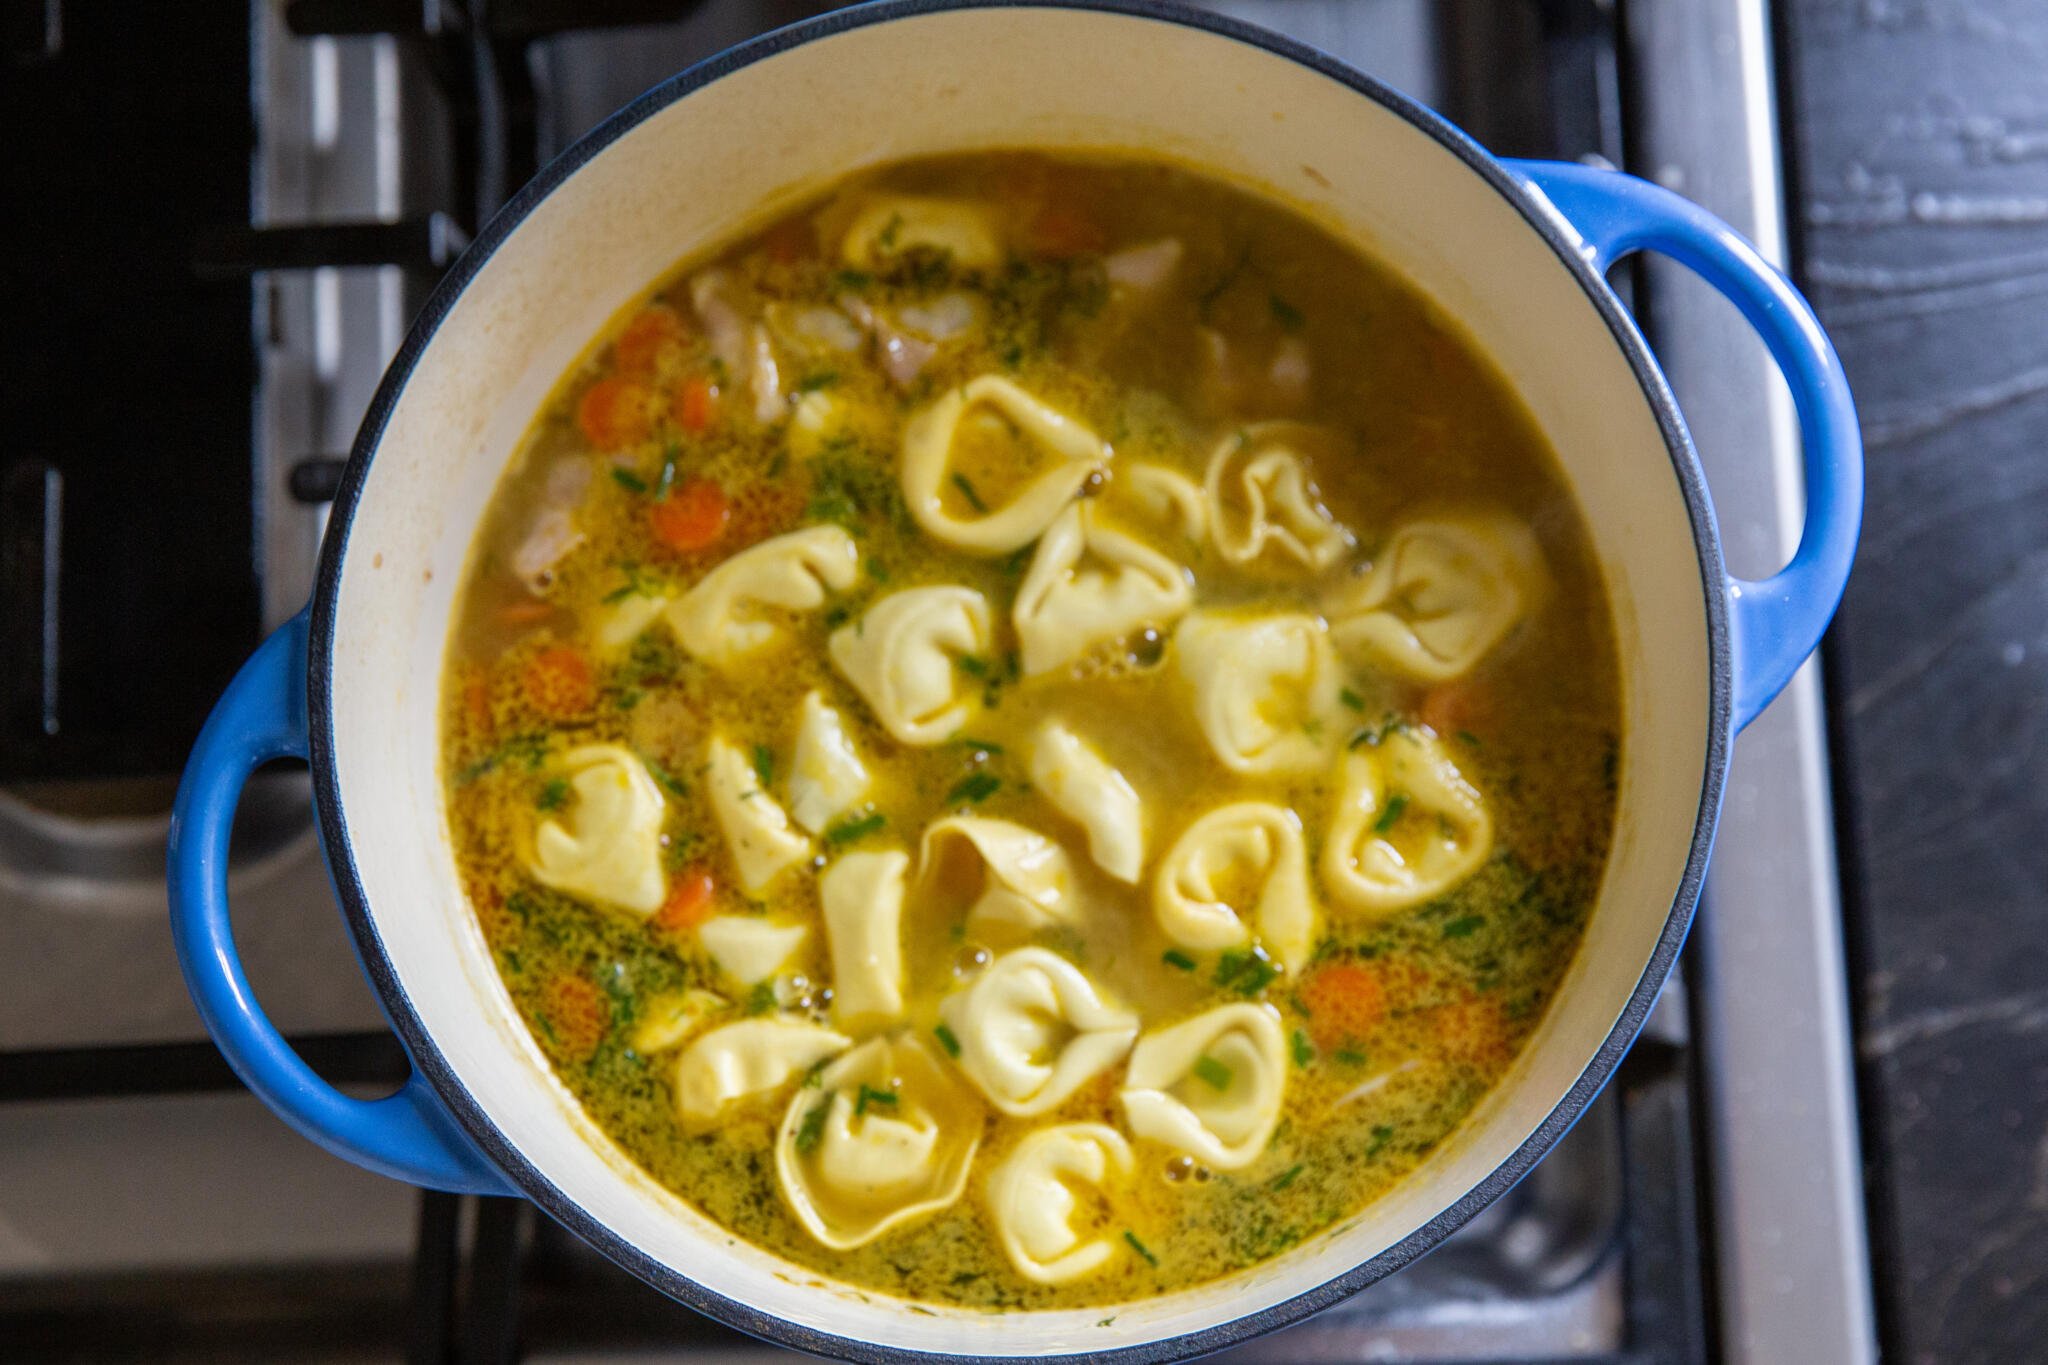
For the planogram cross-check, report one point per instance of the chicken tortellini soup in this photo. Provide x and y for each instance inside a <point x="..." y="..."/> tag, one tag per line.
<point x="1032" y="734"/>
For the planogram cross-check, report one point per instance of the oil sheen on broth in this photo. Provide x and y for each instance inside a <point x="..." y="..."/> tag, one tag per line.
<point x="1033" y="734"/>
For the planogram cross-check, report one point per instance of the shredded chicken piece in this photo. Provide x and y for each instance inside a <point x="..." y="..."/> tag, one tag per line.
<point x="1143" y="267"/>
<point x="904" y="356"/>
<point x="722" y="325"/>
<point x="765" y="379"/>
<point x="1289" y="372"/>
<point x="944" y="318"/>
<point x="552" y="536"/>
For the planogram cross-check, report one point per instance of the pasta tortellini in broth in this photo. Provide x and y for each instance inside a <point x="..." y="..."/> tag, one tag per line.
<point x="1089" y="584"/>
<point x="606" y="847"/>
<point x="1237" y="866"/>
<point x="1266" y="690"/>
<point x="1031" y="1198"/>
<point x="1081" y="785"/>
<point x="984" y="409"/>
<point x="1439" y="596"/>
<point x="750" y="949"/>
<point x="752" y="1057"/>
<point x="1010" y="878"/>
<point x="1263" y="505"/>
<point x="1210" y="1086"/>
<point x="885" y="1137"/>
<point x="826" y="776"/>
<point x="900" y="658"/>
<point x="1406" y="826"/>
<point x="1032" y="1030"/>
<point x="862" y="898"/>
<point x="725" y="616"/>
<point x="756" y="828"/>
<point x="889" y="226"/>
<point x="1165" y="498"/>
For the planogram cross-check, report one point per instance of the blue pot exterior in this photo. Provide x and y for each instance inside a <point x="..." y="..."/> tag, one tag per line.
<point x="432" y="1133"/>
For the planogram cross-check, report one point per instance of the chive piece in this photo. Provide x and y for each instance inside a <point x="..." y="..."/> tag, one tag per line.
<point x="815" y="1077"/>
<point x="973" y="665"/>
<point x="761" y="999"/>
<point x="853" y="279"/>
<point x="987" y="746"/>
<point x="811" y="1131"/>
<point x="947" y="1040"/>
<point x="817" y="379"/>
<point x="628" y="480"/>
<point x="664" y="776"/>
<point x="666" y="479"/>
<point x="1140" y="1248"/>
<point x="1350" y="1056"/>
<point x="1464" y="926"/>
<point x="1247" y="972"/>
<point x="554" y="795"/>
<point x="619" y="594"/>
<point x="1351" y="699"/>
<point x="869" y="1095"/>
<point x="1286" y="314"/>
<point x="1382" y="1134"/>
<point x="1286" y="1178"/>
<point x="974" y="788"/>
<point x="1467" y="737"/>
<point x="852" y="831"/>
<point x="1174" y="957"/>
<point x="1389" y="817"/>
<point x="967" y="492"/>
<point x="878" y="571"/>
<point x="1304" y="1050"/>
<point x="764" y="764"/>
<point x="1212" y="1073"/>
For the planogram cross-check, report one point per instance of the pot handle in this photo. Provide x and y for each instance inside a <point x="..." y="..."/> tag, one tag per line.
<point x="406" y="1134"/>
<point x="1776" y="623"/>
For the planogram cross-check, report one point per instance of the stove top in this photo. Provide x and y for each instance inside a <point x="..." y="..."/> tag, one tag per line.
<point x="372" y="140"/>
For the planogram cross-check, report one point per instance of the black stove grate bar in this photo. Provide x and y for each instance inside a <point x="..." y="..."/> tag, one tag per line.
<point x="427" y="245"/>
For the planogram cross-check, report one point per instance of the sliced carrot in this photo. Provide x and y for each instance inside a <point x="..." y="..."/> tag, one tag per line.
<point x="696" y="405"/>
<point x="525" y="613"/>
<point x="655" y="334"/>
<point x="1345" y="1003"/>
<point x="789" y="241"/>
<point x="1062" y="231"/>
<point x="576" y="1013"/>
<point x="1466" y="705"/>
<point x="1472" y="1031"/>
<point x="688" y="904"/>
<point x="559" y="684"/>
<point x="614" y="412"/>
<point x="476" y="700"/>
<point x="691" y="518"/>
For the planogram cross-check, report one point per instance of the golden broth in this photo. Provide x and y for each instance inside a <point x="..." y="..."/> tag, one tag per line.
<point x="659" y="457"/>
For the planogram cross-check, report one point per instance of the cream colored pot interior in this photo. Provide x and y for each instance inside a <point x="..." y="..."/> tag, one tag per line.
<point x="691" y="174"/>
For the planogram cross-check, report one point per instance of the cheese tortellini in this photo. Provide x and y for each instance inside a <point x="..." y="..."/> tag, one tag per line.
<point x="756" y="829"/>
<point x="1263" y="505"/>
<point x="885" y="1137"/>
<point x="1032" y="1030"/>
<point x="1440" y="595"/>
<point x="1031" y="1199"/>
<point x="1010" y="878"/>
<point x="1210" y="1086"/>
<point x="1239" y="865"/>
<point x="900" y="656"/>
<point x="1406" y="827"/>
<point x="826" y="776"/>
<point x="606" y="847"/>
<point x="1081" y="785"/>
<point x="752" y="1057"/>
<point x="894" y="225"/>
<point x="1266" y="690"/>
<point x="984" y="408"/>
<point x="749" y="949"/>
<point x="729" y="613"/>
<point x="862" y="898"/>
<point x="1090" y="584"/>
<point x="1165" y="497"/>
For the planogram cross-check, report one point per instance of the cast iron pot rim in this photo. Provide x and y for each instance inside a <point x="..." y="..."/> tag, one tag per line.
<point x="427" y="1056"/>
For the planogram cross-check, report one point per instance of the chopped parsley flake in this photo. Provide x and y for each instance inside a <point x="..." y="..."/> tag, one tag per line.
<point x="1391" y="816"/>
<point x="1174" y="957"/>
<point x="812" y="1130"/>
<point x="1212" y="1073"/>
<point x="885" y="1099"/>
<point x="554" y="795"/>
<point x="967" y="491"/>
<point x="1140" y="1247"/>
<point x="1286" y="314"/>
<point x="1464" y="926"/>
<point x="947" y="1040"/>
<point x="1351" y="699"/>
<point x="973" y="665"/>
<point x="852" y="831"/>
<point x="1246" y="971"/>
<point x="974" y="788"/>
<point x="628" y="480"/>
<point x="764" y="764"/>
<point x="1287" y="1177"/>
<point x="1304" y="1050"/>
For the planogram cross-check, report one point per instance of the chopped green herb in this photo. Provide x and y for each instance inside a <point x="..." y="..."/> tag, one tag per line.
<point x="1464" y="926"/>
<point x="811" y="1131"/>
<point x="1246" y="971"/>
<point x="1287" y="1177"/>
<point x="886" y="238"/>
<point x="1350" y="1056"/>
<point x="975" y="788"/>
<point x="628" y="480"/>
<point x="1351" y="699"/>
<point x="554" y="795"/>
<point x="619" y="594"/>
<point x="817" y="379"/>
<point x="664" y="776"/>
<point x="853" y="279"/>
<point x="764" y="764"/>
<point x="1391" y="816"/>
<point x="815" y="1077"/>
<point x="1467" y="737"/>
<point x="869" y="1095"/>
<point x="1212" y="1073"/>
<point x="973" y="665"/>
<point x="947" y="1040"/>
<point x="1174" y="957"/>
<point x="1140" y="1247"/>
<point x="1286" y="314"/>
<point x="878" y="571"/>
<point x="853" y="831"/>
<point x="761" y="999"/>
<point x="666" y="479"/>
<point x="967" y="491"/>
<point x="987" y="746"/>
<point x="1304" y="1050"/>
<point x="1106" y="1321"/>
<point x="1382" y="1134"/>
<point x="1313" y="728"/>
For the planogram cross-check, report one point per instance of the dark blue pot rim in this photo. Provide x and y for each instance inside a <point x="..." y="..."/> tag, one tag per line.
<point x="428" y="1057"/>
